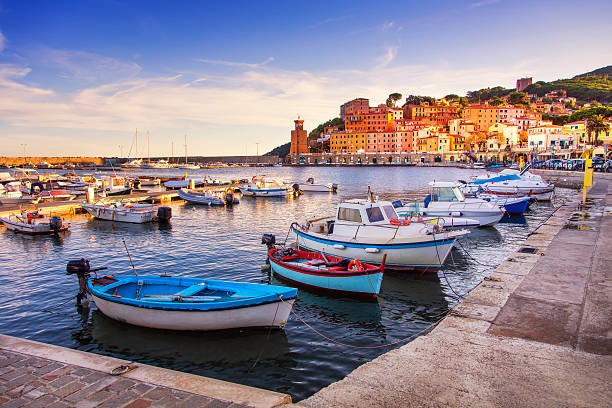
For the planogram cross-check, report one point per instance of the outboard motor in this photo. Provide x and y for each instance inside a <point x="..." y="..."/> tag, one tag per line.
<point x="296" y="187"/>
<point x="136" y="183"/>
<point x="268" y="240"/>
<point x="229" y="198"/>
<point x="81" y="268"/>
<point x="164" y="214"/>
<point x="55" y="223"/>
<point x="334" y="187"/>
<point x="310" y="180"/>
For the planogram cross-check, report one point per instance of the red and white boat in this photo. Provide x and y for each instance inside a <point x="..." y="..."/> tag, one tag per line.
<point x="331" y="274"/>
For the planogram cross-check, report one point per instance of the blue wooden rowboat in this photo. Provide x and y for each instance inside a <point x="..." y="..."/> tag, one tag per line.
<point x="180" y="303"/>
<point x="319" y="272"/>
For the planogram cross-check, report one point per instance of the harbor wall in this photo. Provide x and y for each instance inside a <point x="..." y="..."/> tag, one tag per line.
<point x="30" y="160"/>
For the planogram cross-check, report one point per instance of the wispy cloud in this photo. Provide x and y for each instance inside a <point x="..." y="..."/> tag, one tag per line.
<point x="387" y="57"/>
<point x="86" y="66"/>
<point x="236" y="64"/>
<point x="388" y="25"/>
<point x="483" y="3"/>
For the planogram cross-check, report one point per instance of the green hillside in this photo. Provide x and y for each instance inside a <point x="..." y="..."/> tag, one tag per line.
<point x="591" y="86"/>
<point x="280" y="151"/>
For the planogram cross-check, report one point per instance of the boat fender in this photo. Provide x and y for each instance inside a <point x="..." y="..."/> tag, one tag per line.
<point x="372" y="250"/>
<point x="355" y="265"/>
<point x="455" y="214"/>
<point x="400" y="221"/>
<point x="338" y="246"/>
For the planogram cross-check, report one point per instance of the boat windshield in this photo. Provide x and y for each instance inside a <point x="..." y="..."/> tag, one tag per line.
<point x="390" y="212"/>
<point x="374" y="214"/>
<point x="349" y="214"/>
<point x="447" y="194"/>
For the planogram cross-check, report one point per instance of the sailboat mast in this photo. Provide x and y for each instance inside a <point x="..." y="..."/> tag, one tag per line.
<point x="185" y="150"/>
<point x="148" y="148"/>
<point x="172" y="150"/>
<point x="136" y="144"/>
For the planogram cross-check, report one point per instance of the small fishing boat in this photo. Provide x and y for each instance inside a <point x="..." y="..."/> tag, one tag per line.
<point x="368" y="230"/>
<point x="201" y="197"/>
<point x="182" y="303"/>
<point x="326" y="273"/>
<point x="512" y="183"/>
<point x="311" y="187"/>
<point x="446" y="200"/>
<point x="262" y="187"/>
<point x="128" y="212"/>
<point x="185" y="183"/>
<point x="10" y="193"/>
<point x="34" y="223"/>
<point x="149" y="182"/>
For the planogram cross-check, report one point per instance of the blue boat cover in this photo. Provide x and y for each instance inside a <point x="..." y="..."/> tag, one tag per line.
<point x="186" y="294"/>
<point x="496" y="179"/>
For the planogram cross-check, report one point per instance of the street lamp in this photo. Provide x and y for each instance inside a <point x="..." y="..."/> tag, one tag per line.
<point x="24" y="152"/>
<point x="257" y="143"/>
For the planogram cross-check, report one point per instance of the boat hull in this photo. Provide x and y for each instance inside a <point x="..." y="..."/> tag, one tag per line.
<point x="33" y="229"/>
<point x="199" y="199"/>
<point x="119" y="215"/>
<point x="273" y="314"/>
<point x="427" y="256"/>
<point x="364" y="285"/>
<point x="544" y="194"/>
<point x="280" y="192"/>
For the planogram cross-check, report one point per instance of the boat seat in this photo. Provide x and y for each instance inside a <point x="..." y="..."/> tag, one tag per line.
<point x="315" y="262"/>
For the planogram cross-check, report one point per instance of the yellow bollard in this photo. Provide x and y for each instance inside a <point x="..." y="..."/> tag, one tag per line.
<point x="588" y="175"/>
<point x="521" y="163"/>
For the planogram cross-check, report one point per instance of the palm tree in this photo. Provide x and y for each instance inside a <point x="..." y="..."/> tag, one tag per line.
<point x="596" y="124"/>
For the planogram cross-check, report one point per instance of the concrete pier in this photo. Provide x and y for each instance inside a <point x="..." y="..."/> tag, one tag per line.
<point x="537" y="332"/>
<point x="34" y="374"/>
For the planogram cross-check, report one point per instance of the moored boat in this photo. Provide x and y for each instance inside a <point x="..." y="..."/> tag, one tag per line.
<point x="512" y="183"/>
<point x="200" y="197"/>
<point x="366" y="230"/>
<point x="446" y="200"/>
<point x="262" y="187"/>
<point x="34" y="223"/>
<point x="311" y="187"/>
<point x="331" y="274"/>
<point x="128" y="212"/>
<point x="183" y="303"/>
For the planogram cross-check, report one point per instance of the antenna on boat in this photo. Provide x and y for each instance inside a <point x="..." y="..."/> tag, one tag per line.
<point x="129" y="256"/>
<point x="370" y="195"/>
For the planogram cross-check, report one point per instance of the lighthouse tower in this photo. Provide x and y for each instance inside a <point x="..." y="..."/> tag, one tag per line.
<point x="299" y="138"/>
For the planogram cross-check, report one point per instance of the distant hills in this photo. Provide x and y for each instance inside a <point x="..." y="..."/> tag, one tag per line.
<point x="591" y="86"/>
<point x="280" y="151"/>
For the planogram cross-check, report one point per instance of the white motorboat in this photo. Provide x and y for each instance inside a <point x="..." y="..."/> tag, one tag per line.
<point x="189" y="166"/>
<point x="6" y="178"/>
<point x="149" y="182"/>
<point x="446" y="200"/>
<point x="262" y="187"/>
<point x="185" y="183"/>
<point x="26" y="174"/>
<point x="512" y="183"/>
<point x="135" y="213"/>
<point x="207" y="197"/>
<point x="136" y="163"/>
<point x="34" y="223"/>
<point x="367" y="230"/>
<point x="311" y="187"/>
<point x="10" y="193"/>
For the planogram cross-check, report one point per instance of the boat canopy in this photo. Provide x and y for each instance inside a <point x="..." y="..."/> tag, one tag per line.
<point x="444" y="191"/>
<point x="496" y="179"/>
<point x="364" y="212"/>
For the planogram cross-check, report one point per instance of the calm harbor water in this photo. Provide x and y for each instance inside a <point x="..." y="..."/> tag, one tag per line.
<point x="224" y="243"/>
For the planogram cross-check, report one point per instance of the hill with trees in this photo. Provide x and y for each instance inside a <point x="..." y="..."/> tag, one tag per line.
<point x="591" y="86"/>
<point x="280" y="151"/>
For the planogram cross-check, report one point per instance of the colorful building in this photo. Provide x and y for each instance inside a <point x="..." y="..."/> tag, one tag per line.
<point x="356" y="106"/>
<point x="482" y="116"/>
<point x="508" y="131"/>
<point x="433" y="114"/>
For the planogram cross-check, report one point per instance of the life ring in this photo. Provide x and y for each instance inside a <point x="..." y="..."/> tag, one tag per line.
<point x="357" y="264"/>
<point x="399" y="221"/>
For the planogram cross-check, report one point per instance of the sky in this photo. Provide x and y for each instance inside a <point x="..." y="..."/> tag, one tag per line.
<point x="77" y="78"/>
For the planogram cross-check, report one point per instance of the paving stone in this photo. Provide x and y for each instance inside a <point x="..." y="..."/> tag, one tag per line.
<point x="39" y="392"/>
<point x="142" y="388"/>
<point x="16" y="403"/>
<point x="195" y="401"/>
<point x="19" y="381"/>
<point x="93" y="377"/>
<point x="82" y="372"/>
<point x="94" y="399"/>
<point x="11" y="375"/>
<point x="158" y="393"/>
<point x="58" y="404"/>
<point x="69" y="389"/>
<point x="47" y="369"/>
<point x="24" y="389"/>
<point x="91" y="389"/>
<point x="60" y="382"/>
<point x="120" y="399"/>
<point x="218" y="404"/>
<point x="55" y="374"/>
<point x="140" y="403"/>
<point x="121" y="385"/>
<point x="43" y="402"/>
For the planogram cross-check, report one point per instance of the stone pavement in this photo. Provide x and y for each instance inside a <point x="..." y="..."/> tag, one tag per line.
<point x="537" y="332"/>
<point x="34" y="374"/>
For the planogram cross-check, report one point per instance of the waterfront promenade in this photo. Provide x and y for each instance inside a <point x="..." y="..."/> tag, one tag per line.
<point x="35" y="374"/>
<point x="536" y="333"/>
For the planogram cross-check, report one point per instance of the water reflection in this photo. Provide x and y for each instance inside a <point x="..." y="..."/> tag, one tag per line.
<point x="224" y="243"/>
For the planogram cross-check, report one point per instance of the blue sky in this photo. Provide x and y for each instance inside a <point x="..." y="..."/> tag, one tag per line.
<point x="78" y="77"/>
